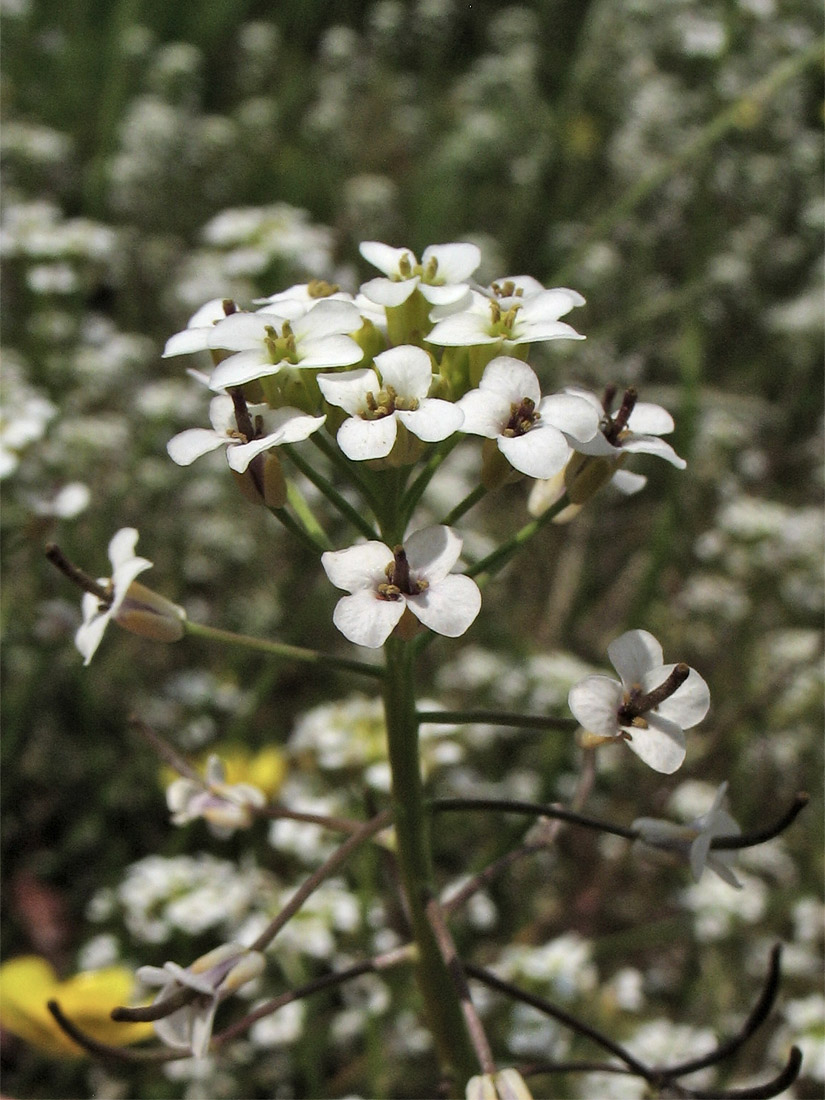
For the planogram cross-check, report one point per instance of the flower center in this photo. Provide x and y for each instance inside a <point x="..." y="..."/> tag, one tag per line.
<point x="399" y="582"/>
<point x="523" y="417"/>
<point x="637" y="703"/>
<point x="507" y="290"/>
<point x="386" y="402"/>
<point x="503" y="321"/>
<point x="281" y="347"/>
<point x="612" y="427"/>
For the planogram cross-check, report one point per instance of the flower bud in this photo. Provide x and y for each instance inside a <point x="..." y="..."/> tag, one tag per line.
<point x="150" y="615"/>
<point x="507" y="1084"/>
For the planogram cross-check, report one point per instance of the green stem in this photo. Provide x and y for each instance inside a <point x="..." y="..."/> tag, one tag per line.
<point x="416" y="490"/>
<point x="483" y="570"/>
<point x="304" y="513"/>
<point x="465" y="505"/>
<point x="298" y="531"/>
<point x="284" y="651"/>
<point x="497" y="718"/>
<point x="347" y="468"/>
<point x="331" y="493"/>
<point x="441" y="1001"/>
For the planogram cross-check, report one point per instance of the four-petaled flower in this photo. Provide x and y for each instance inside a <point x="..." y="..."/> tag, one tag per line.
<point x="650" y="709"/>
<point x="225" y="806"/>
<point x="634" y="428"/>
<point x="416" y="576"/>
<point x="290" y="426"/>
<point x="530" y="320"/>
<point x="693" y="840"/>
<point x="213" y="977"/>
<point x="377" y="405"/>
<point x="440" y="276"/>
<point x="287" y="334"/>
<point x="530" y="431"/>
<point x="132" y="605"/>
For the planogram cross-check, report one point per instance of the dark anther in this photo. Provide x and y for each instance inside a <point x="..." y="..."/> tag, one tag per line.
<point x="619" y="422"/>
<point x="638" y="704"/>
<point x="608" y="398"/>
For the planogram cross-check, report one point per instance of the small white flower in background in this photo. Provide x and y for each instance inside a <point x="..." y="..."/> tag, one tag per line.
<point x="693" y="840"/>
<point x="530" y="431"/>
<point x="291" y="426"/>
<point x="650" y="709"/>
<point x="507" y="1084"/>
<point x="440" y="276"/>
<point x="213" y="977"/>
<point x="225" y="806"/>
<point x="384" y="583"/>
<point x="377" y="404"/>
<point x="308" y="293"/>
<point x="527" y="321"/>
<point x="133" y="606"/>
<point x="198" y="331"/>
<point x="287" y="334"/>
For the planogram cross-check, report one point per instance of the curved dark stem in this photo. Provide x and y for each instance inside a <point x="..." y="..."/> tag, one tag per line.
<point x="533" y="809"/>
<point x="748" y="840"/>
<point x="158" y="1011"/>
<point x="755" y="1019"/>
<point x="536" y="1069"/>
<point x="104" y="1050"/>
<point x="770" y="1088"/>
<point x="488" y="978"/>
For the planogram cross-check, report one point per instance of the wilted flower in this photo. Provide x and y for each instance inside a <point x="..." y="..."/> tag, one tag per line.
<point x="291" y="426"/>
<point x="384" y="583"/>
<point x="650" y="709"/>
<point x="530" y="431"/>
<point x="440" y="276"/>
<point x="377" y="405"/>
<point x="226" y="806"/>
<point x="693" y="840"/>
<point x="213" y="977"/>
<point x="132" y="606"/>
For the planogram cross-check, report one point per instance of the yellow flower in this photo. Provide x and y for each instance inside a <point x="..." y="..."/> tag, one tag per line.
<point x="28" y="982"/>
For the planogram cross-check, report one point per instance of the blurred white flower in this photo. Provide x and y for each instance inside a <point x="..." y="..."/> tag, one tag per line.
<point x="225" y="806"/>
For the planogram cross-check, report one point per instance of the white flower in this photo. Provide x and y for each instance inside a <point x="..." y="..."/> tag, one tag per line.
<point x="530" y="431"/>
<point x="694" y="839"/>
<point x="636" y="427"/>
<point x="416" y="576"/>
<point x="125" y="567"/>
<point x="226" y="806"/>
<point x="507" y="1084"/>
<point x="287" y="334"/>
<point x="213" y="977"/>
<point x="440" y="276"/>
<point x="652" y="706"/>
<point x="526" y="321"/>
<point x="377" y="404"/>
<point x="198" y="331"/>
<point x="291" y="426"/>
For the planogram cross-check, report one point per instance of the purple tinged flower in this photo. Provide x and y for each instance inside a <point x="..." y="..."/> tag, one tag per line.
<point x="378" y="404"/>
<point x="290" y="426"/>
<point x="383" y="583"/>
<point x="530" y="431"/>
<point x="225" y="806"/>
<point x="693" y="840"/>
<point x="650" y="708"/>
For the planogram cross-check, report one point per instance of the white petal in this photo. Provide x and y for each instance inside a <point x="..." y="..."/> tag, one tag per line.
<point x="652" y="445"/>
<point x="456" y="262"/>
<point x="222" y="413"/>
<point x="362" y="440"/>
<point x="385" y="257"/>
<point x="348" y="390"/>
<point x="699" y="851"/>
<point x="456" y="296"/>
<point x="122" y="546"/>
<point x="387" y="292"/>
<point x="535" y="331"/>
<point x="549" y="305"/>
<point x="462" y="330"/>
<point x="688" y="705"/>
<point x="365" y="619"/>
<point x="357" y="567"/>
<point x="432" y="552"/>
<point x="648" y="419"/>
<point x="242" y="331"/>
<point x="328" y="351"/>
<point x="90" y="632"/>
<point x="629" y="483"/>
<point x="190" y="340"/>
<point x="202" y="1022"/>
<point x="634" y="654"/>
<point x="570" y="414"/>
<point x="661" y="745"/>
<point x="485" y="414"/>
<point x="328" y="317"/>
<point x="241" y="368"/>
<point x="511" y="379"/>
<point x="595" y="703"/>
<point x="448" y="607"/>
<point x="718" y="862"/>
<point x="433" y="420"/>
<point x="408" y="369"/>
<point x="185" y="447"/>
<point x="539" y="453"/>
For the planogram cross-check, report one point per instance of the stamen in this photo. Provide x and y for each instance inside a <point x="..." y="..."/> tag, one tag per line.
<point x="56" y="556"/>
<point x="398" y="576"/>
<point x="522" y="418"/>
<point x="637" y="704"/>
<point x="618" y="424"/>
<point x="229" y="307"/>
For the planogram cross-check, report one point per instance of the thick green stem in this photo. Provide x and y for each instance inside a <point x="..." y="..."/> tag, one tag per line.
<point x="411" y="817"/>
